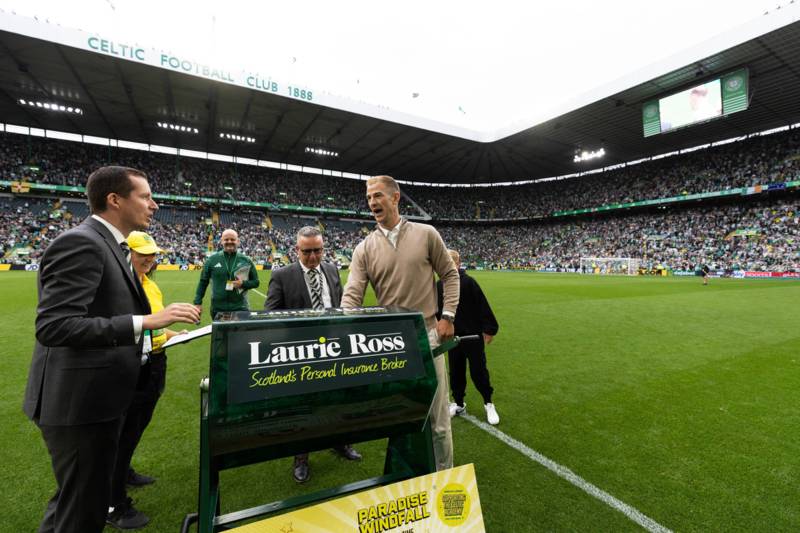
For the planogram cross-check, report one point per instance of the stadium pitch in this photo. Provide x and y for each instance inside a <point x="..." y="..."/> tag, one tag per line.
<point x="677" y="400"/>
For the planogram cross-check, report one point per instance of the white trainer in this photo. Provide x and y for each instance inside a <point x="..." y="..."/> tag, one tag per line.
<point x="456" y="409"/>
<point x="491" y="414"/>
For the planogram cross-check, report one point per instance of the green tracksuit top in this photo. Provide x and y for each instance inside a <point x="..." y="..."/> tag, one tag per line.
<point x="219" y="268"/>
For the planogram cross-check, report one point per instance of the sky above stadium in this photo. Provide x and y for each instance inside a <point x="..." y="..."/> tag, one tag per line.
<point x="475" y="65"/>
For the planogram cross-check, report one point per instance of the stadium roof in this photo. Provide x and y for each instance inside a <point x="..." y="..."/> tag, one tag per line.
<point x="125" y="98"/>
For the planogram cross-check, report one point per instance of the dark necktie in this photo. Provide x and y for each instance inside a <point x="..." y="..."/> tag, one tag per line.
<point x="126" y="251"/>
<point x="316" y="289"/>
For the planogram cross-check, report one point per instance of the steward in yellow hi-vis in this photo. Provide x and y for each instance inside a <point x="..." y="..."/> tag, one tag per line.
<point x="152" y="378"/>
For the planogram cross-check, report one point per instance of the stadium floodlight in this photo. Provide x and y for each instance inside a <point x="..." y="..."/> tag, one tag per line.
<point x="236" y="137"/>
<point x="51" y="106"/>
<point x="177" y="127"/>
<point x="586" y="155"/>
<point x="321" y="151"/>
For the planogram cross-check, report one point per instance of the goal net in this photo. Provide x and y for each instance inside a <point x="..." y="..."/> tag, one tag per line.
<point x="628" y="266"/>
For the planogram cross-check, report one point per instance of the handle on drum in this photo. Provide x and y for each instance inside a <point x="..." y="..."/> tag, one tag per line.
<point x="452" y="343"/>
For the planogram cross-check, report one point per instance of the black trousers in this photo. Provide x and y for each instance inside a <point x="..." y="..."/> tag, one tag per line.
<point x="476" y="356"/>
<point x="83" y="462"/>
<point x="152" y="378"/>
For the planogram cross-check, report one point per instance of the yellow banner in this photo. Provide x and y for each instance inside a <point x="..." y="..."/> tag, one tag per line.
<point x="444" y="501"/>
<point x="5" y="267"/>
<point x="20" y="186"/>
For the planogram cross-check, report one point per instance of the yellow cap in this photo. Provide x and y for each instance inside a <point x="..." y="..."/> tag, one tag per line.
<point x="143" y="243"/>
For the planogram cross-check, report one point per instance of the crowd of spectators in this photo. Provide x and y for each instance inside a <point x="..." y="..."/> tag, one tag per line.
<point x="759" y="236"/>
<point x="755" y="235"/>
<point x="185" y="235"/>
<point x="56" y="162"/>
<point x="30" y="226"/>
<point x="767" y="237"/>
<point x="753" y="161"/>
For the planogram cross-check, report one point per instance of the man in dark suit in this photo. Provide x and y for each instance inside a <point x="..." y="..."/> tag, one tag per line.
<point x="473" y="316"/>
<point x="91" y="322"/>
<point x="309" y="283"/>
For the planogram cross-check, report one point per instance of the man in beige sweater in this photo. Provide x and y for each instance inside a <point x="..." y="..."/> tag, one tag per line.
<point x="399" y="258"/>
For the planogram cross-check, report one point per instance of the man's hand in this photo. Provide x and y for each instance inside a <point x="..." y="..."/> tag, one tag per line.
<point x="237" y="283"/>
<point x="199" y="309"/>
<point x="487" y="339"/>
<point x="172" y="313"/>
<point x="445" y="329"/>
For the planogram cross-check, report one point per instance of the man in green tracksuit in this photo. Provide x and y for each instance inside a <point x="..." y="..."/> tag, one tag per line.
<point x="231" y="274"/>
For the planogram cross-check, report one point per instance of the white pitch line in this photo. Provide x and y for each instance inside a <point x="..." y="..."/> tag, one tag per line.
<point x="562" y="471"/>
<point x="259" y="293"/>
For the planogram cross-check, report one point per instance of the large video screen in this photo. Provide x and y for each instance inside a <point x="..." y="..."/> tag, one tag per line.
<point x="697" y="104"/>
<point x="712" y="99"/>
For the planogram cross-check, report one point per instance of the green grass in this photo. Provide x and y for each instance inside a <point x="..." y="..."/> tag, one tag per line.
<point x="678" y="399"/>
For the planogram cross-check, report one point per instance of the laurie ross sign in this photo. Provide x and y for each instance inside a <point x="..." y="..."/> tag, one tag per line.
<point x="271" y="363"/>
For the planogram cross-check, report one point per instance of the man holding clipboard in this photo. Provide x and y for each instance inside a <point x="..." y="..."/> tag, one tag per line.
<point x="231" y="274"/>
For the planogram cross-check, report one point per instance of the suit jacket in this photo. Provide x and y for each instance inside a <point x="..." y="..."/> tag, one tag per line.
<point x="288" y="289"/>
<point x="85" y="360"/>
<point x="473" y="315"/>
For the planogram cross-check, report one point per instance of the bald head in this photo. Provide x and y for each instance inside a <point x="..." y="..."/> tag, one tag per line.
<point x="229" y="241"/>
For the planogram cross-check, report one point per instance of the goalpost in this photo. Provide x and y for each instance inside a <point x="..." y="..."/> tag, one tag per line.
<point x="626" y="266"/>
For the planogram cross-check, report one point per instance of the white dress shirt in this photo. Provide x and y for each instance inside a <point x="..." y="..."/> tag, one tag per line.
<point x="393" y="233"/>
<point x="120" y="238"/>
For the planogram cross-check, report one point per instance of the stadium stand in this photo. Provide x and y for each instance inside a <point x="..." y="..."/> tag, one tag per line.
<point x="757" y="235"/>
<point x="741" y="234"/>
<point x="55" y="162"/>
<point x="752" y="161"/>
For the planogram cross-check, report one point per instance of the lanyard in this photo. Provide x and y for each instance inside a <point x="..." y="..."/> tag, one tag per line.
<point x="228" y="265"/>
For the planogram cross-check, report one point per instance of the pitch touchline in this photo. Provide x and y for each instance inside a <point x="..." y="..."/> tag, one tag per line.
<point x="563" y="472"/>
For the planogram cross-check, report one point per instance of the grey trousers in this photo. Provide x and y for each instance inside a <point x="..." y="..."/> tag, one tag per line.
<point x="440" y="418"/>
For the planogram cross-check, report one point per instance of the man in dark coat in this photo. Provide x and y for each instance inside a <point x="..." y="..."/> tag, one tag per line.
<point x="309" y="283"/>
<point x="90" y="321"/>
<point x="474" y="316"/>
<point x="704" y="271"/>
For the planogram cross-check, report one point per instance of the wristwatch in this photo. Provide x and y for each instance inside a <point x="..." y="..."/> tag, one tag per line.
<point x="449" y="318"/>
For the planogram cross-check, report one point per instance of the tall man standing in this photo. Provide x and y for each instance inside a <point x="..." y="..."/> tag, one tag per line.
<point x="307" y="284"/>
<point x="231" y="274"/>
<point x="91" y="316"/>
<point x="474" y="315"/>
<point x="399" y="259"/>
